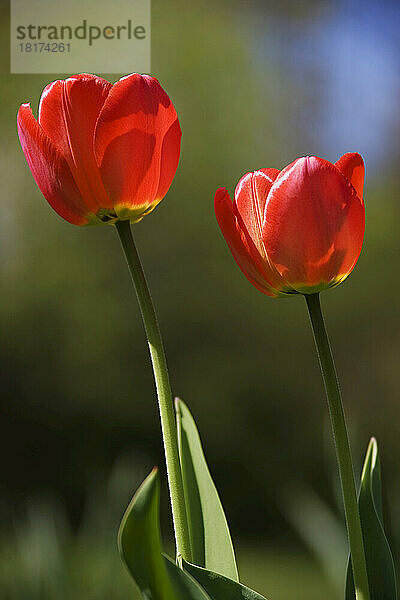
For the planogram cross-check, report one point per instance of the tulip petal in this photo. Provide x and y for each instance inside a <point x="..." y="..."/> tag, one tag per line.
<point x="137" y="143"/>
<point x="313" y="225"/>
<point x="239" y="245"/>
<point x="68" y="113"/>
<point x="351" y="165"/>
<point x="50" y="169"/>
<point x="250" y="198"/>
<point x="170" y="151"/>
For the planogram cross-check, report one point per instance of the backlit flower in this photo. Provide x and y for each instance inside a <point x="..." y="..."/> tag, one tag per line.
<point x="299" y="230"/>
<point x="101" y="152"/>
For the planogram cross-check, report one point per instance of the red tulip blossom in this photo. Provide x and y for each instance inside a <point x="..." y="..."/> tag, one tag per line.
<point x="299" y="230"/>
<point x="101" y="152"/>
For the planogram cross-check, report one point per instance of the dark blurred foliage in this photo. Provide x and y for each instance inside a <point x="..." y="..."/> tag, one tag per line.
<point x="255" y="84"/>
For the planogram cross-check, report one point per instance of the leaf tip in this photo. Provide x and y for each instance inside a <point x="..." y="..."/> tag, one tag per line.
<point x="151" y="479"/>
<point x="372" y="451"/>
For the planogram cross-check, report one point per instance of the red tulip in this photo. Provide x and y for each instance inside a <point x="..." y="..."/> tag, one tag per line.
<point x="101" y="152"/>
<point x="299" y="230"/>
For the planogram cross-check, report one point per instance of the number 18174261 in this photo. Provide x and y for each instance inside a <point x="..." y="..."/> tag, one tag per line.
<point x="44" y="47"/>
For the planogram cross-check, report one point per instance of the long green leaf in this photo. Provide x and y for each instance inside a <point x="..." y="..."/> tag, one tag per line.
<point x="210" y="538"/>
<point x="156" y="575"/>
<point x="139" y="542"/>
<point x="220" y="587"/>
<point x="380" y="566"/>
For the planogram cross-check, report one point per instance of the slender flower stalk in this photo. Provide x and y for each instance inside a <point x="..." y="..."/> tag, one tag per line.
<point x="165" y="402"/>
<point x="342" y="446"/>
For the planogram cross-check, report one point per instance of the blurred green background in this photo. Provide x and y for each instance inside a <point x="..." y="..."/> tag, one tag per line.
<point x="255" y="84"/>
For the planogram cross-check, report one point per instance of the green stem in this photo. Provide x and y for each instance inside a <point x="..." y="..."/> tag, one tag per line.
<point x="165" y="403"/>
<point x="342" y="447"/>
